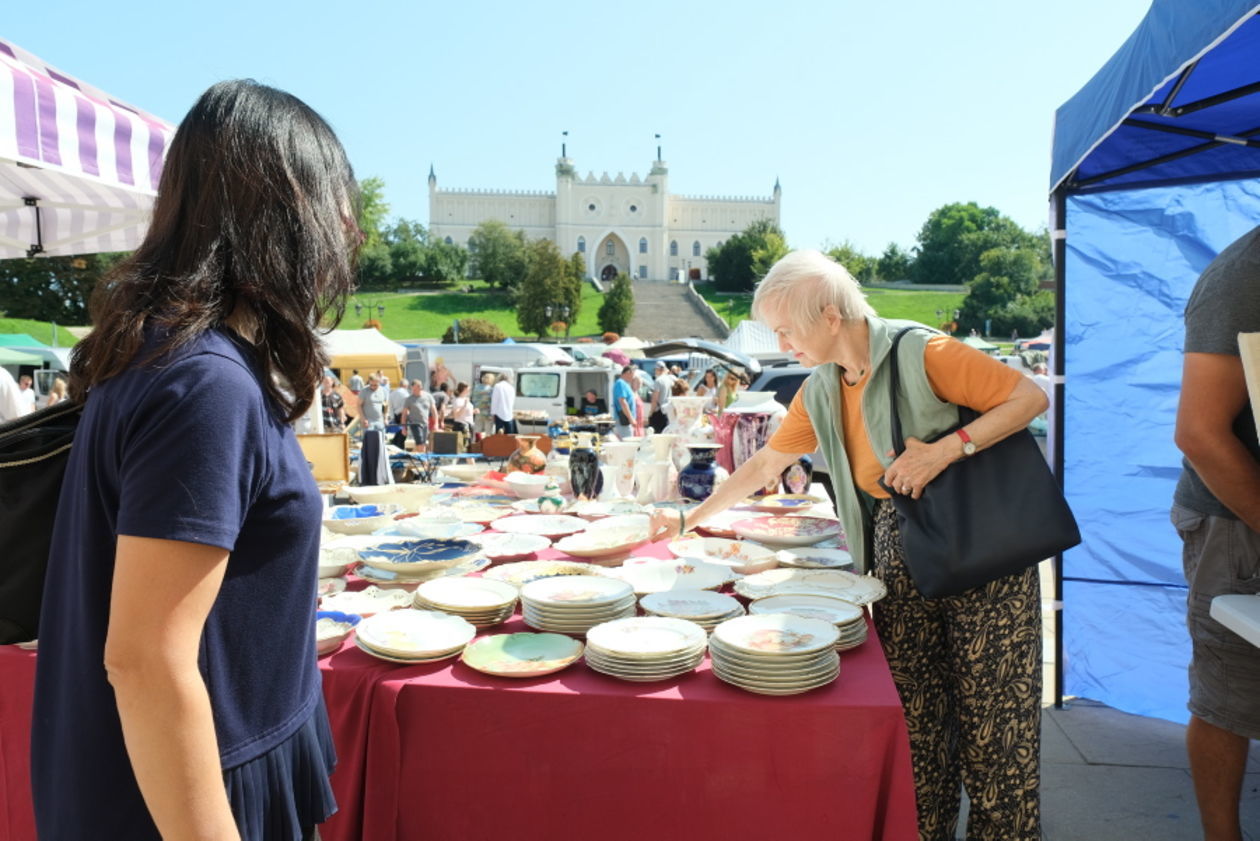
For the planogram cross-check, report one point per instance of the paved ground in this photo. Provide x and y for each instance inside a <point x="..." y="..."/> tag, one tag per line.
<point x="662" y="310"/>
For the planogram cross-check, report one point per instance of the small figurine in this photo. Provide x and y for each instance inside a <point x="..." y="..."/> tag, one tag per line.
<point x="551" y="502"/>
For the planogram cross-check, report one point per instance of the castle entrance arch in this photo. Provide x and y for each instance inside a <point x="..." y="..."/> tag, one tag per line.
<point x="613" y="256"/>
<point x="609" y="273"/>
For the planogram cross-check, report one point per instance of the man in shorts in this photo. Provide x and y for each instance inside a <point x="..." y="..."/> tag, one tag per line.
<point x="1216" y="510"/>
<point x="418" y="414"/>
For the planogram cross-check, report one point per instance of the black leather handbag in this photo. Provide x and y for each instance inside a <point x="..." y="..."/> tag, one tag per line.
<point x="987" y="516"/>
<point x="34" y="450"/>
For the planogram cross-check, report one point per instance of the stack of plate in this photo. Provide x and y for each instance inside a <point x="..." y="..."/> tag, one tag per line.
<point x="703" y="607"/>
<point x="645" y="648"/>
<point x="849" y="619"/>
<point x="775" y="653"/>
<point x="522" y="572"/>
<point x="656" y="575"/>
<point x="387" y="580"/>
<point x="413" y="636"/>
<point x="482" y="602"/>
<point x="573" y="604"/>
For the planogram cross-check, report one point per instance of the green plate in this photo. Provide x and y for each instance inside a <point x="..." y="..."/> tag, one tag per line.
<point x="522" y="655"/>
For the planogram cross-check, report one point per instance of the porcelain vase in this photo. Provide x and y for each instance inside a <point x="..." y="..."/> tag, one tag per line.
<point x="584" y="472"/>
<point x="527" y="458"/>
<point x="723" y="434"/>
<point x="620" y="455"/>
<point x="698" y="479"/>
<point x="798" y="476"/>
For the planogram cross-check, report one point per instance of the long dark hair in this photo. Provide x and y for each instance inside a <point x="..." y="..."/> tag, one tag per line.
<point x="254" y="216"/>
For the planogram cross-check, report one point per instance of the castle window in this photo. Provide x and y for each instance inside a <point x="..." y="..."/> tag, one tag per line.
<point x="591" y="208"/>
<point x="643" y="272"/>
<point x="610" y="249"/>
<point x="581" y="245"/>
<point x="634" y="208"/>
<point x="673" y="248"/>
<point x="695" y="248"/>
<point x="643" y="245"/>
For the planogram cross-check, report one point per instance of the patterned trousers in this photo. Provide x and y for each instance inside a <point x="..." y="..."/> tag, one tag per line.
<point x="968" y="669"/>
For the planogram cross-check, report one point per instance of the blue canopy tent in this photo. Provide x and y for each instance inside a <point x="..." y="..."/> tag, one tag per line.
<point x="1155" y="169"/>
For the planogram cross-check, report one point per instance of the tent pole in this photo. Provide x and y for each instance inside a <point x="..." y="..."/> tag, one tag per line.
<point x="1059" y="235"/>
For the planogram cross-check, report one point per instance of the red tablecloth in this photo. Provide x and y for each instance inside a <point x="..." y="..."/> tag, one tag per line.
<point x="441" y="751"/>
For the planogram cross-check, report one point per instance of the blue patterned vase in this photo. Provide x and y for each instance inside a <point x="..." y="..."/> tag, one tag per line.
<point x="696" y="480"/>
<point x="584" y="472"/>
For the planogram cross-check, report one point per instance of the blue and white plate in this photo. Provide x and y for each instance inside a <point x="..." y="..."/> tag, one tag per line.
<point x="412" y="556"/>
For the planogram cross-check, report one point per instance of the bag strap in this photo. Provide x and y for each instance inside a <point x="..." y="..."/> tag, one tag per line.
<point x="965" y="413"/>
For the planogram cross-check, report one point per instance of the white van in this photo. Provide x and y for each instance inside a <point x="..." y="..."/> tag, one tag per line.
<point x="557" y="390"/>
<point x="463" y="362"/>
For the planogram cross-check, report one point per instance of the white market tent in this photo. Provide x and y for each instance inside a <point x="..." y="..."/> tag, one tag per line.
<point x="78" y="168"/>
<point x="752" y="337"/>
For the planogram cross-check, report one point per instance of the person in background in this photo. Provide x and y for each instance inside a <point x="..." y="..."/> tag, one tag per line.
<point x="460" y="410"/>
<point x="397" y="397"/>
<point x="11" y="404"/>
<point x="624" y="400"/>
<point x="662" y="389"/>
<point x="503" y="404"/>
<point x="708" y="383"/>
<point x="483" y="418"/>
<point x="1216" y="511"/>
<point x="1041" y="376"/>
<point x="732" y="384"/>
<point x="333" y="405"/>
<point x="57" y="393"/>
<point x="419" y="415"/>
<point x="593" y="404"/>
<point x="356" y="382"/>
<point x="373" y="403"/>
<point x="642" y="394"/>
<point x="188" y="517"/>
<point x="27" y="392"/>
<point x="967" y="667"/>
<point x="679" y="389"/>
<point x="441" y="397"/>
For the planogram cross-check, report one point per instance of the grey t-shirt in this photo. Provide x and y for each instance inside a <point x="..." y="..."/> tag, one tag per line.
<point x="418" y="407"/>
<point x="1224" y="303"/>
<point x="372" y="404"/>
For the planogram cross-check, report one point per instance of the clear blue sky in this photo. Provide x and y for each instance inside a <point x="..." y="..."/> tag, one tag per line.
<point x="871" y="114"/>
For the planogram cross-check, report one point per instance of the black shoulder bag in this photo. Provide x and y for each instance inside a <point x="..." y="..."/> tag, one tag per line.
<point x="984" y="517"/>
<point x="34" y="450"/>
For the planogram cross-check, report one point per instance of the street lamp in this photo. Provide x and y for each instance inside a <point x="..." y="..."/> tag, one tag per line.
<point x="380" y="310"/>
<point x="358" y="310"/>
<point x="564" y="316"/>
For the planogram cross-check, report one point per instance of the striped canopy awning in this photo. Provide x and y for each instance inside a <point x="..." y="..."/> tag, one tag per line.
<point x="78" y="168"/>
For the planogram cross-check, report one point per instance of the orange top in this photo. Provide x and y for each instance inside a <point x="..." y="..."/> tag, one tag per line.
<point x="957" y="372"/>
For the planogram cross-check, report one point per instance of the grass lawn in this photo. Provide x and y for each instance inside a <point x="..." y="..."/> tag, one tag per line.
<point x="427" y="316"/>
<point x="918" y="306"/>
<point x="41" y="330"/>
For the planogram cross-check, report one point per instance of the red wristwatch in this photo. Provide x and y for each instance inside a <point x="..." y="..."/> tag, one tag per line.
<point x="969" y="446"/>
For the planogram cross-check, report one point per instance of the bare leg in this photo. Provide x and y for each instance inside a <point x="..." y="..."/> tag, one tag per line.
<point x="1218" y="759"/>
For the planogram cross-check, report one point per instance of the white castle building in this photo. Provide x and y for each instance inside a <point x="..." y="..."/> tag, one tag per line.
<point x="632" y="225"/>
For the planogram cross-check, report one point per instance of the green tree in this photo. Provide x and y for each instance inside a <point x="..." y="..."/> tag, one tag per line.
<point x="53" y="288"/>
<point x="498" y="254"/>
<point x="373" y="209"/>
<point x="858" y="264"/>
<point x="954" y="236"/>
<point x="734" y="266"/>
<point x="548" y="283"/>
<point x="408" y="244"/>
<point x="376" y="267"/>
<point x="894" y="264"/>
<point x="473" y="331"/>
<point x="1005" y="292"/>
<point x="617" y="309"/>
<point x="444" y="262"/>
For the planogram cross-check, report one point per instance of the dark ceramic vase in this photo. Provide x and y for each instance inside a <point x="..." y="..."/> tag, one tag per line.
<point x="584" y="472"/>
<point x="798" y="476"/>
<point x="696" y="480"/>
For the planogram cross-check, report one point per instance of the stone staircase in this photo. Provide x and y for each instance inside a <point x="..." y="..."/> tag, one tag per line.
<point x="664" y="310"/>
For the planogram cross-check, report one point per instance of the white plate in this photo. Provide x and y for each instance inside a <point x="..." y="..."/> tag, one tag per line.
<point x="593" y="509"/>
<point x="719" y="525"/>
<point x="579" y="613"/>
<point x="603" y="543"/>
<point x="859" y="589"/>
<point x="330" y="586"/>
<point x="388" y="579"/>
<point x="500" y="546"/>
<point x="646" y="636"/>
<point x="693" y="604"/>
<point x="366" y="602"/>
<point x="813" y="557"/>
<point x="575" y="591"/>
<point x="740" y="555"/>
<point x="523" y="572"/>
<point x="775" y="634"/>
<point x="468" y="593"/>
<point x="827" y="608"/>
<point x="415" y="633"/>
<point x="621" y="521"/>
<point x="336" y="560"/>
<point x="787" y="531"/>
<point x="655" y="575"/>
<point x="547" y="525"/>
<point x="407" y="661"/>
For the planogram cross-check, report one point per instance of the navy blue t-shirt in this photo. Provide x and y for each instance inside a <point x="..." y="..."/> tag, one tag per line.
<point x="189" y="448"/>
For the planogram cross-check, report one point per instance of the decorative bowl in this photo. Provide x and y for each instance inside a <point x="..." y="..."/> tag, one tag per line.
<point x="527" y="485"/>
<point x="336" y="560"/>
<point x="416" y="556"/>
<point x="503" y="546"/>
<point x="787" y="531"/>
<point x="366" y="602"/>
<point x="465" y="472"/>
<point x="331" y="629"/>
<point x="411" y="497"/>
<point x="360" y="519"/>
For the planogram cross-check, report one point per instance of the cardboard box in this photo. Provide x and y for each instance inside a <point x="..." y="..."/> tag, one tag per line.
<point x="329" y="455"/>
<point x="447" y="442"/>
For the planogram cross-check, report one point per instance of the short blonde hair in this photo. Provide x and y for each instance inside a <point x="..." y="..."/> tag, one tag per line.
<point x="802" y="284"/>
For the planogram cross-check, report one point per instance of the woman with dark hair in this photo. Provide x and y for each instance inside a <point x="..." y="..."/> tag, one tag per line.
<point x="177" y="693"/>
<point x="461" y="410"/>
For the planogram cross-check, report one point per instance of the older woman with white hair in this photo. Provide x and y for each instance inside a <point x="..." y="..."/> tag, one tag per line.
<point x="967" y="667"/>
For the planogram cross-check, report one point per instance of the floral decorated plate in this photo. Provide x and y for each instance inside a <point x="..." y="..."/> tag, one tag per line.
<point x="576" y="591"/>
<point x="603" y="543"/>
<point x="547" y="525"/>
<point x="366" y="602"/>
<point x="329" y="586"/>
<point x="655" y="575"/>
<point x="464" y="593"/>
<point x="719" y="525"/>
<point x="501" y="546"/>
<point x="775" y="634"/>
<point x="812" y="557"/>
<point x="522" y="655"/>
<point x="741" y="556"/>
<point x="857" y="589"/>
<point x="359" y="519"/>
<point x="827" y="608"/>
<point x="646" y="636"/>
<point x="523" y="572"/>
<point x="331" y="629"/>
<point x="415" y="633"/>
<point x="475" y="511"/>
<point x="689" y="604"/>
<point x="784" y="503"/>
<point x="414" y="556"/>
<point x="787" y="531"/>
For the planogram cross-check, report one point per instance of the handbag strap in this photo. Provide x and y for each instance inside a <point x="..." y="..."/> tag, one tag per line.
<point x="965" y="413"/>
